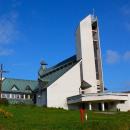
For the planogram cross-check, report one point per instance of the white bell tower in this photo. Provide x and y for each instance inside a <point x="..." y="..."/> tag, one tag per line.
<point x="88" y="49"/>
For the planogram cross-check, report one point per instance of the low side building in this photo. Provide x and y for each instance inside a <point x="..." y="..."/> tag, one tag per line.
<point x="18" y="90"/>
<point x="102" y="101"/>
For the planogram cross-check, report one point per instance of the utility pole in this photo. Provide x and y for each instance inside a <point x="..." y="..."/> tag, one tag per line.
<point x="1" y="75"/>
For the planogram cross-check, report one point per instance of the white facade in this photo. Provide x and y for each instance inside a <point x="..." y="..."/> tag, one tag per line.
<point x="67" y="85"/>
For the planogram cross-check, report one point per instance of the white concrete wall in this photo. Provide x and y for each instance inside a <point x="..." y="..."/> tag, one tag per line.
<point x="41" y="98"/>
<point x="78" y="44"/>
<point x="66" y="86"/>
<point x="124" y="106"/>
<point x="85" y="50"/>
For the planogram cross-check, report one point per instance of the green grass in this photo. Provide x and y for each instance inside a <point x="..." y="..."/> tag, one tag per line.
<point x="38" y="118"/>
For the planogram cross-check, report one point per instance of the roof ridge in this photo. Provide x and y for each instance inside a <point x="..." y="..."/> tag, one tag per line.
<point x="21" y="79"/>
<point x="60" y="64"/>
<point x="65" y="61"/>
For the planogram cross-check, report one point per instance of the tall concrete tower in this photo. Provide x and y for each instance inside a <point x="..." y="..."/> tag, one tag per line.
<point x="88" y="49"/>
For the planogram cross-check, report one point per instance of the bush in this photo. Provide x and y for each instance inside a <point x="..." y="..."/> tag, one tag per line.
<point x="4" y="101"/>
<point x="5" y="114"/>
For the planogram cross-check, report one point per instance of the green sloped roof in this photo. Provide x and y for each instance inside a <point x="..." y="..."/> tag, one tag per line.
<point x="50" y="75"/>
<point x="21" y="84"/>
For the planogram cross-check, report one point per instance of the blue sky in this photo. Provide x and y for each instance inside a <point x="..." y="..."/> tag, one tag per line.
<point x="32" y="30"/>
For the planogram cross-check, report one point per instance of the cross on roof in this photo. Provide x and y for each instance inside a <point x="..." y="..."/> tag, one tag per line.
<point x="2" y="71"/>
<point x="1" y="75"/>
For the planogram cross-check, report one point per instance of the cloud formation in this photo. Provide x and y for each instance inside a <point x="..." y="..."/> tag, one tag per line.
<point x="9" y="32"/>
<point x="113" y="57"/>
<point x="8" y="28"/>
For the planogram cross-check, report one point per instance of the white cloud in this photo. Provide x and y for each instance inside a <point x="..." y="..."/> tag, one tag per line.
<point x="6" y="52"/>
<point x="112" y="57"/>
<point x="8" y="32"/>
<point x="127" y="56"/>
<point x="8" y="28"/>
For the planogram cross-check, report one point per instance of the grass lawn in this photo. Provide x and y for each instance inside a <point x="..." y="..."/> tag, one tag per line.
<point x="38" y="118"/>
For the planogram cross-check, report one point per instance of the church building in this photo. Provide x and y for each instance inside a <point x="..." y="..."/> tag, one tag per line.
<point x="79" y="79"/>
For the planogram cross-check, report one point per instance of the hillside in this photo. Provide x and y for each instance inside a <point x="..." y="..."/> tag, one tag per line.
<point x="38" y="118"/>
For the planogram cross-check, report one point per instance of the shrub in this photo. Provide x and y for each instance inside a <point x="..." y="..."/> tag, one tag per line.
<point x="4" y="101"/>
<point x="5" y="114"/>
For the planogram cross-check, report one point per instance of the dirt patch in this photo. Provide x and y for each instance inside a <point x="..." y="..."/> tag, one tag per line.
<point x="1" y="127"/>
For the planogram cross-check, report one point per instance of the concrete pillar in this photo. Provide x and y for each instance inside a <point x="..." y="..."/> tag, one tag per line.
<point x="28" y="96"/>
<point x="24" y="97"/>
<point x="103" y="107"/>
<point x="10" y="96"/>
<point x="90" y="106"/>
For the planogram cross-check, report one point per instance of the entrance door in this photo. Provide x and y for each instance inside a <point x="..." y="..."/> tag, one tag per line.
<point x="99" y="106"/>
<point x="106" y="106"/>
<point x="34" y="98"/>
